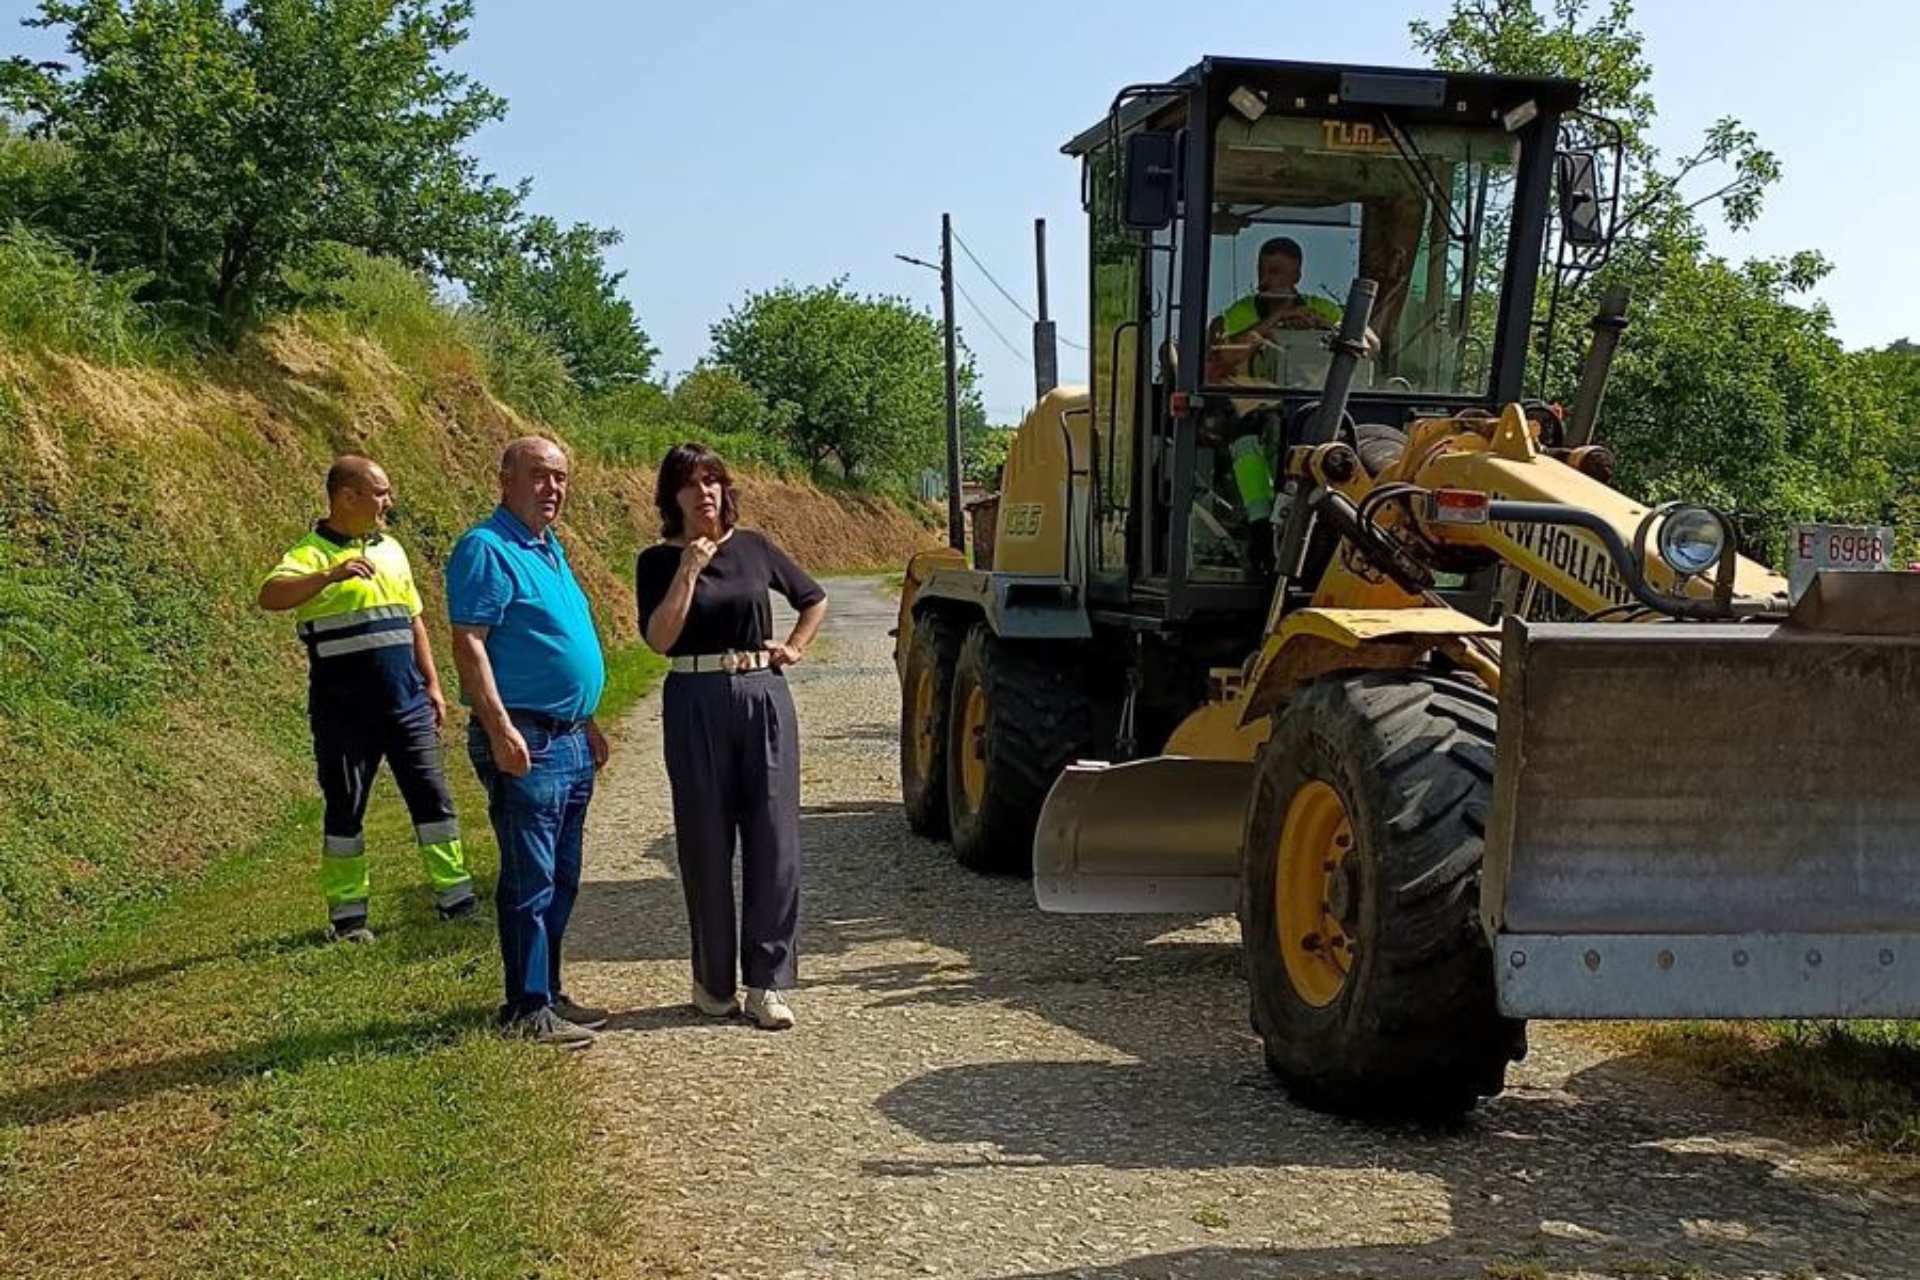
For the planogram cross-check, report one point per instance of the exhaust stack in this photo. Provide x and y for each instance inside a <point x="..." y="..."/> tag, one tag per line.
<point x="1608" y="326"/>
<point x="1348" y="347"/>
<point x="1046" y="351"/>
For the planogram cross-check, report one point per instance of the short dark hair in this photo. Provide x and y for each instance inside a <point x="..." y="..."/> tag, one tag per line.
<point x="1283" y="244"/>
<point x="687" y="464"/>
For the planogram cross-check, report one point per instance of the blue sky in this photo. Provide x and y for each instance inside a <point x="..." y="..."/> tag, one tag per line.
<point x="739" y="145"/>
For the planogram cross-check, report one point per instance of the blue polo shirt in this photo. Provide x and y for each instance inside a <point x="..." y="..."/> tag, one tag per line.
<point x="544" y="650"/>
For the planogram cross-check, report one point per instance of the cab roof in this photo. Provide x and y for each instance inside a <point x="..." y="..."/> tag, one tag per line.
<point x="1463" y="95"/>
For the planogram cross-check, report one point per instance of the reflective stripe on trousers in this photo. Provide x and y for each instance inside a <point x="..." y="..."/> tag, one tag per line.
<point x="348" y="748"/>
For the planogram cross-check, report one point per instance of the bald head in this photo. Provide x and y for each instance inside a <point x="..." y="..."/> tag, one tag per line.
<point x="352" y="469"/>
<point x="528" y="449"/>
<point x="358" y="495"/>
<point x="533" y="481"/>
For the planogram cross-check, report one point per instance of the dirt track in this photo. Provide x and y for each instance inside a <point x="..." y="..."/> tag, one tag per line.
<point x="976" y="1090"/>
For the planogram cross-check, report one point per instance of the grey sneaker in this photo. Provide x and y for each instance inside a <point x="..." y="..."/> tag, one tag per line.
<point x="769" y="1008"/>
<point x="547" y="1027"/>
<point x="714" y="1006"/>
<point x="580" y="1015"/>
<point x="354" y="932"/>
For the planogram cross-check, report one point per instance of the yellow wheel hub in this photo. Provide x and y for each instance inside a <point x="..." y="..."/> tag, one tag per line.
<point x="921" y="739"/>
<point x="973" y="748"/>
<point x="1314" y="894"/>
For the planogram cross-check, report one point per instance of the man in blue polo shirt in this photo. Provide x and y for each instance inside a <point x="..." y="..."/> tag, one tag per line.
<point x="531" y="670"/>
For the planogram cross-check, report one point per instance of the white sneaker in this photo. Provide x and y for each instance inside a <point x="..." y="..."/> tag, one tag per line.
<point x="769" y="1008"/>
<point x="714" y="1006"/>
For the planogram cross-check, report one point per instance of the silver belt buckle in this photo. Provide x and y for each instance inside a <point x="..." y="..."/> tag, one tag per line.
<point x="730" y="662"/>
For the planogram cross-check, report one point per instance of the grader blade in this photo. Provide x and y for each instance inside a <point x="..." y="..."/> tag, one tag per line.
<point x="1709" y="821"/>
<point x="1149" y="836"/>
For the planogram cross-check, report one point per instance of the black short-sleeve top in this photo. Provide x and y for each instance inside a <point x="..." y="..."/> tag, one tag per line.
<point x="731" y="608"/>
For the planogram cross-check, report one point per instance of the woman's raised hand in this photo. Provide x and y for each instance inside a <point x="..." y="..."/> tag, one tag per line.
<point x="697" y="555"/>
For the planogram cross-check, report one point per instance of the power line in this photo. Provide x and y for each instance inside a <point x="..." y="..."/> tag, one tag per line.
<point x="990" y="280"/>
<point x="1018" y="354"/>
<point x="1003" y="292"/>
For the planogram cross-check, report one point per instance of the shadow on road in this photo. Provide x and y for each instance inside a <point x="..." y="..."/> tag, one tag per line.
<point x="1622" y="1163"/>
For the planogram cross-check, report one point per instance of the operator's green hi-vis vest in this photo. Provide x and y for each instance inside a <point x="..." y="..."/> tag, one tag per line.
<point x="1245" y="314"/>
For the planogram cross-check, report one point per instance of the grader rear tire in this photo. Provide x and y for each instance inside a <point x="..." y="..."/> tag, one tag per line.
<point x="1019" y="715"/>
<point x="926" y="696"/>
<point x="1371" y="979"/>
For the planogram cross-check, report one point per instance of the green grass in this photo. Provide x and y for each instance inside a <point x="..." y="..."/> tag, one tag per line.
<point x="227" y="1094"/>
<point x="1861" y="1077"/>
<point x="50" y="298"/>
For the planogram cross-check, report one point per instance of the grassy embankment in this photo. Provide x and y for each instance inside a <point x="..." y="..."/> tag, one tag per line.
<point x="1859" y="1081"/>
<point x="191" y="1080"/>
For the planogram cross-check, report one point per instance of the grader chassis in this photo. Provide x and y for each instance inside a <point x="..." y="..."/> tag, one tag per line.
<point x="1265" y="631"/>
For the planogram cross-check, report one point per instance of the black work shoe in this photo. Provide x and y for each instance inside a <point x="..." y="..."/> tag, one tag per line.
<point x="353" y="931"/>
<point x="544" y="1026"/>
<point x="465" y="909"/>
<point x="580" y="1015"/>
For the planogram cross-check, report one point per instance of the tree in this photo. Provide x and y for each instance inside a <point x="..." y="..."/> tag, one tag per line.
<point x="983" y="453"/>
<point x="556" y="282"/>
<point x="860" y="380"/>
<point x="1730" y="386"/>
<point x="719" y="401"/>
<point x="217" y="145"/>
<point x="36" y="179"/>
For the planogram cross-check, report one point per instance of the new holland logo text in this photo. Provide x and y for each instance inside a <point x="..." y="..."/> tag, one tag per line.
<point x="1574" y="554"/>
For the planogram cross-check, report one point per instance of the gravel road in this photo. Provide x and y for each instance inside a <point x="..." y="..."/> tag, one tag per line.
<point x="977" y="1090"/>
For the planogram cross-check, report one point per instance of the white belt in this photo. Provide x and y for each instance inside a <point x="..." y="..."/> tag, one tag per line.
<point x="733" y="662"/>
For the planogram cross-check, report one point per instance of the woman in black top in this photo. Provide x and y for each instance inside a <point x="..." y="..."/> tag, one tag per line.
<point x="731" y="736"/>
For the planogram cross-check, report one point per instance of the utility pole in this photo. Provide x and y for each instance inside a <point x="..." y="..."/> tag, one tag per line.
<point x="1046" y="353"/>
<point x="956" y="522"/>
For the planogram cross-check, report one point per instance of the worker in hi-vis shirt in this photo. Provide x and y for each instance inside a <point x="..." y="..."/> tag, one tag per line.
<point x="372" y="694"/>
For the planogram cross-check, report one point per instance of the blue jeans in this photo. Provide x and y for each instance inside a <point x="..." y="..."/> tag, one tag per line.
<point x="538" y="819"/>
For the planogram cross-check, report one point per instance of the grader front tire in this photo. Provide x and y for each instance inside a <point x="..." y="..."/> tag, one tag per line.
<point x="926" y="696"/>
<point x="1371" y="979"/>
<point x="1019" y="716"/>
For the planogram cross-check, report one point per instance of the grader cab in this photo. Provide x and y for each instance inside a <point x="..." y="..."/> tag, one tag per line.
<point x="1301" y="611"/>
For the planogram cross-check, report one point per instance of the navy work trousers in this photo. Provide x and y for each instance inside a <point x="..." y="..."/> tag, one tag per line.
<point x="538" y="820"/>
<point x="349" y="741"/>
<point x="733" y="756"/>
<point x="350" y="738"/>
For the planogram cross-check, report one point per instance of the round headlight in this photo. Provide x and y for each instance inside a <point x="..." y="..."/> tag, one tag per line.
<point x="1692" y="540"/>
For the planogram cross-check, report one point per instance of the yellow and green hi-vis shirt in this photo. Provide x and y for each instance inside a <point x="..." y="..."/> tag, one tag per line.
<point x="359" y="631"/>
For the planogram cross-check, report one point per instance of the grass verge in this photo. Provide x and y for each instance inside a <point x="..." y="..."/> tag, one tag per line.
<point x="219" y="1092"/>
<point x="1861" y="1077"/>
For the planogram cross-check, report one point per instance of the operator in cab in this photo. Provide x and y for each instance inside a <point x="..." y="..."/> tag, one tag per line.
<point x="1238" y="343"/>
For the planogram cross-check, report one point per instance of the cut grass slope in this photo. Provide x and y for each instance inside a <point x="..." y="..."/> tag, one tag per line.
<point x="224" y="1093"/>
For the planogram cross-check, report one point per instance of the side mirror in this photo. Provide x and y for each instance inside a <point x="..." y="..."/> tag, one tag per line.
<point x="1151" y="180"/>
<point x="1577" y="176"/>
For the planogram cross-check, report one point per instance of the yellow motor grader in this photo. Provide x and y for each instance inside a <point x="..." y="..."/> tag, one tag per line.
<point x="1303" y="611"/>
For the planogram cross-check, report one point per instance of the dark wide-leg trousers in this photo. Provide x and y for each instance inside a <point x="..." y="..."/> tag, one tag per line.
<point x="733" y="756"/>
